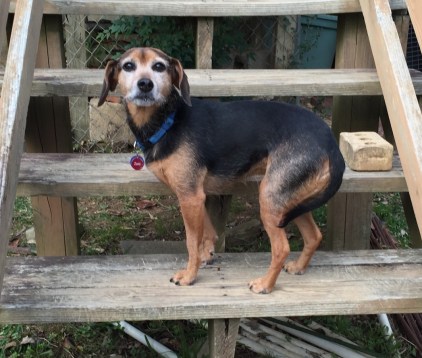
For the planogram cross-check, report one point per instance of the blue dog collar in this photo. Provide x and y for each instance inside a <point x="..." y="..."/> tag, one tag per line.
<point x="155" y="138"/>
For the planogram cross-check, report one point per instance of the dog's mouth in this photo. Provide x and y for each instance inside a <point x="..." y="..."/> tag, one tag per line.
<point x="142" y="100"/>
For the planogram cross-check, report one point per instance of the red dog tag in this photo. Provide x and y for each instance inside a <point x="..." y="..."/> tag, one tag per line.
<point x="137" y="162"/>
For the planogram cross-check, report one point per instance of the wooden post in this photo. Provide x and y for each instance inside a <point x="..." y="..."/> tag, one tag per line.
<point x="223" y="337"/>
<point x="48" y="130"/>
<point x="217" y="206"/>
<point x="4" y="13"/>
<point x="222" y="333"/>
<point x="13" y="109"/>
<point x="286" y="41"/>
<point x="203" y="51"/>
<point x="399" y="94"/>
<point x="349" y="215"/>
<point x="75" y="49"/>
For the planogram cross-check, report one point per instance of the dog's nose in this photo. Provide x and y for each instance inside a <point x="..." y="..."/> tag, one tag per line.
<point x="145" y="85"/>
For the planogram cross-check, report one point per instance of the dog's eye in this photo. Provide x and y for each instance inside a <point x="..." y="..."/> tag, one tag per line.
<point x="129" y="66"/>
<point x="159" y="67"/>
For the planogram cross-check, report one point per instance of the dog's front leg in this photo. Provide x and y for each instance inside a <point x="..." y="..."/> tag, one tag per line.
<point x="193" y="212"/>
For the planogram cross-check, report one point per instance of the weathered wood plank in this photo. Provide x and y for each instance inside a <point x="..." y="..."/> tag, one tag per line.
<point x="223" y="337"/>
<point x="203" y="48"/>
<point x="220" y="83"/>
<point x="204" y="8"/>
<point x="415" y="11"/>
<point x="4" y="7"/>
<point x="112" y="288"/>
<point x="402" y="22"/>
<point x="111" y="174"/>
<point x="13" y="108"/>
<point x="402" y="104"/>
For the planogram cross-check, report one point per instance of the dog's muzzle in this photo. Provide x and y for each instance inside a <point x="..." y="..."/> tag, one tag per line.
<point x="143" y="94"/>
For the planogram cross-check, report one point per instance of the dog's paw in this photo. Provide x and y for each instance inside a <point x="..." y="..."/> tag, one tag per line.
<point x="207" y="257"/>
<point x="183" y="278"/>
<point x="260" y="286"/>
<point x="293" y="268"/>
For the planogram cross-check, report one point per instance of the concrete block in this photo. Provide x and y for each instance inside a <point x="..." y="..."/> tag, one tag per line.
<point x="108" y="123"/>
<point x="366" y="151"/>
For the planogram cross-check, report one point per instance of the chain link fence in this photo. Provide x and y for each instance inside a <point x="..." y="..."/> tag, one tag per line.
<point x="413" y="54"/>
<point x="243" y="43"/>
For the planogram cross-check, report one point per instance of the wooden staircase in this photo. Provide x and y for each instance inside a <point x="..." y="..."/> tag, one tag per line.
<point x="65" y="289"/>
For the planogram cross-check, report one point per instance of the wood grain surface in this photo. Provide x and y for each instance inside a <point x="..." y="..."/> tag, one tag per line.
<point x="108" y="288"/>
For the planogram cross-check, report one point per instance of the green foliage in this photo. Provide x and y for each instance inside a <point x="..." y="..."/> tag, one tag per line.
<point x="15" y="342"/>
<point x="174" y="36"/>
<point x="165" y="229"/>
<point x="22" y="218"/>
<point x="389" y="208"/>
<point x="190" y="337"/>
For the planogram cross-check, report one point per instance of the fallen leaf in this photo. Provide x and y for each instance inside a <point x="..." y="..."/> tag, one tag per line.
<point x="10" y="345"/>
<point x="145" y="204"/>
<point x="68" y="343"/>
<point x="14" y="242"/>
<point x="27" y="340"/>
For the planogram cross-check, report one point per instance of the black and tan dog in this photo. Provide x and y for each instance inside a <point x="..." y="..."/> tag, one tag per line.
<point x="200" y="147"/>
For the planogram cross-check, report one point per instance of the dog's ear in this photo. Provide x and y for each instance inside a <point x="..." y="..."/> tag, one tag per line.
<point x="110" y="80"/>
<point x="180" y="81"/>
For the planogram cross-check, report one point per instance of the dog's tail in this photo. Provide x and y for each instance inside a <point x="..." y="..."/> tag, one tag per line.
<point x="337" y="167"/>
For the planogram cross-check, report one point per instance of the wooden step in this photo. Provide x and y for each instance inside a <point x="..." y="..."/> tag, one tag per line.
<point x="111" y="288"/>
<point x="220" y="83"/>
<point x="204" y="8"/>
<point x="111" y="175"/>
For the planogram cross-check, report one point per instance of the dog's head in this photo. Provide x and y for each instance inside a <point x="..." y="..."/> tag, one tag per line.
<point x="146" y="77"/>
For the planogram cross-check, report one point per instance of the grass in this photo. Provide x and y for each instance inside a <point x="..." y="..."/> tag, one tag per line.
<point x="105" y="222"/>
<point x="389" y="209"/>
<point x="98" y="340"/>
<point x="70" y="340"/>
<point x="23" y="217"/>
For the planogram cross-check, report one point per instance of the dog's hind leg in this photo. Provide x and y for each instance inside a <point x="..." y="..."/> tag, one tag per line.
<point x="209" y="238"/>
<point x="280" y="249"/>
<point x="311" y="237"/>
